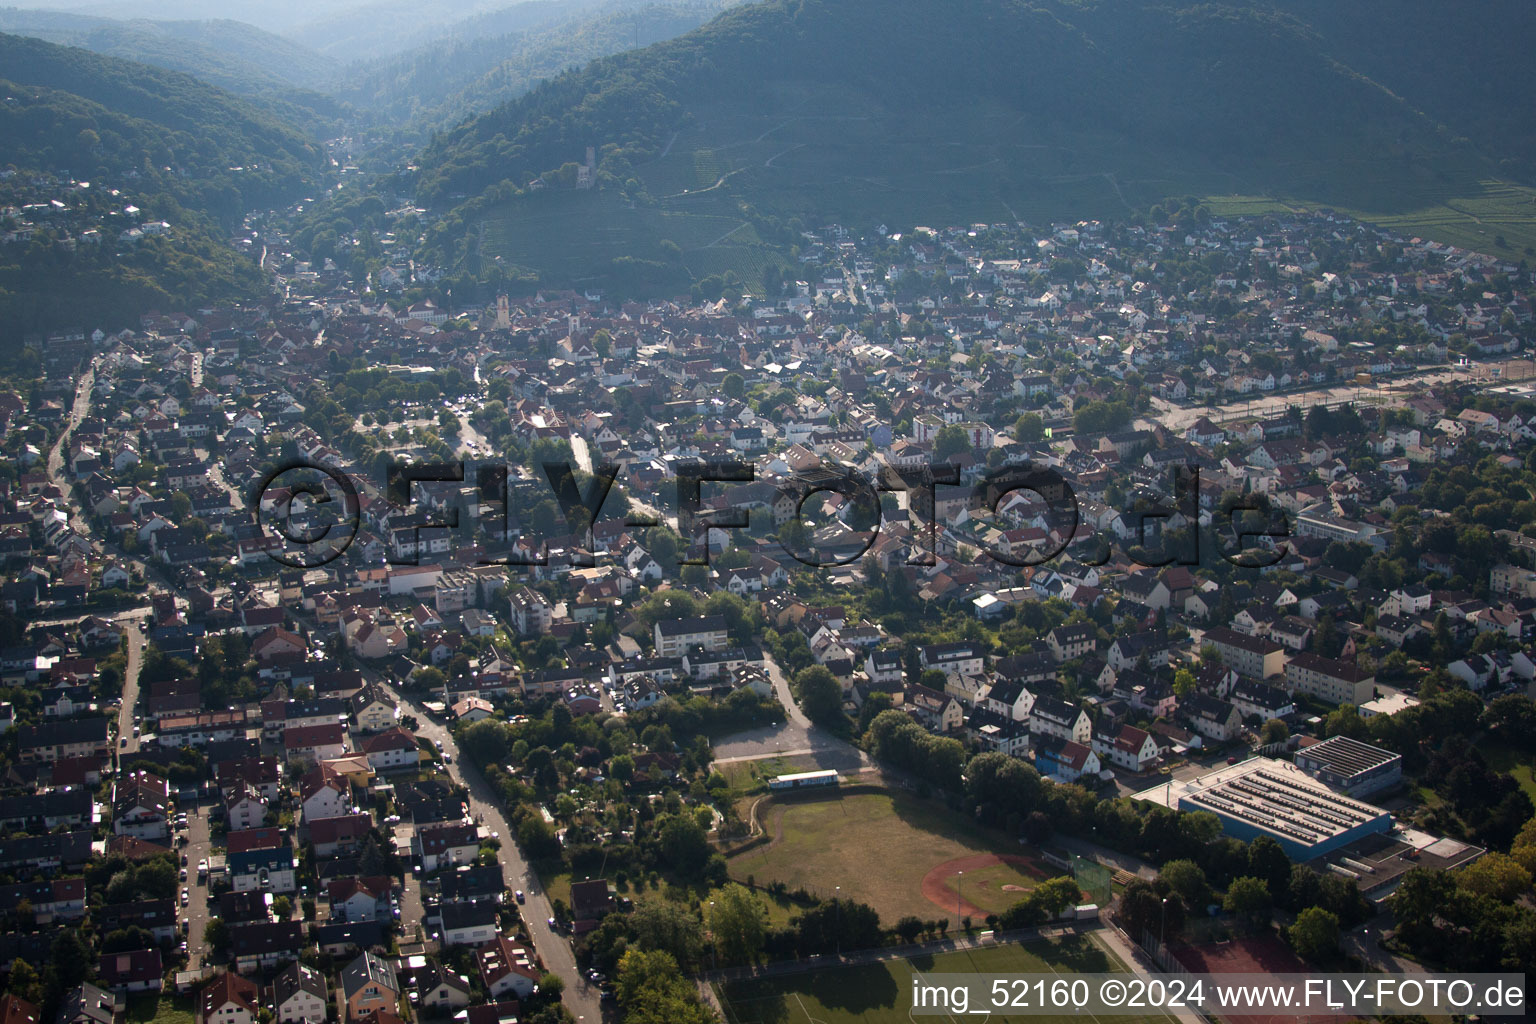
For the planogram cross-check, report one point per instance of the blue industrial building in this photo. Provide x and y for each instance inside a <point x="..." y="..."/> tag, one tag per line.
<point x="1272" y="798"/>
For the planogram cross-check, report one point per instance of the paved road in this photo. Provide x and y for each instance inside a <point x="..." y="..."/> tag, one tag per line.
<point x="580" y="997"/>
<point x="793" y="736"/>
<point x="128" y="714"/>
<point x="638" y="506"/>
<point x="197" y="912"/>
<point x="77" y="412"/>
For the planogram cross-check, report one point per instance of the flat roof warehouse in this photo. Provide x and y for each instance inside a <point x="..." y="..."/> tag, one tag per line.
<point x="1349" y="757"/>
<point x="1277" y="799"/>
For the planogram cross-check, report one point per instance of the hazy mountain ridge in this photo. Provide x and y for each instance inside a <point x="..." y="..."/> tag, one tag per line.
<point x="230" y="54"/>
<point x="146" y="119"/>
<point x="1232" y="80"/>
<point x="442" y="83"/>
<point x="911" y="111"/>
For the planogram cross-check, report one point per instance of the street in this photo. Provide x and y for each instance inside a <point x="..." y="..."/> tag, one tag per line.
<point x="197" y="912"/>
<point x="128" y="714"/>
<point x="580" y="996"/>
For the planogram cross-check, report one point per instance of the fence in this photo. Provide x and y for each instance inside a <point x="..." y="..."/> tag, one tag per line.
<point x="1094" y="879"/>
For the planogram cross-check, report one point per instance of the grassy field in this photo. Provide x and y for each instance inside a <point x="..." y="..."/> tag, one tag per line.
<point x="994" y="888"/>
<point x="745" y="776"/>
<point x="825" y="843"/>
<point x="160" y="1009"/>
<point x="1473" y="216"/>
<point x="880" y="993"/>
<point x="1505" y="759"/>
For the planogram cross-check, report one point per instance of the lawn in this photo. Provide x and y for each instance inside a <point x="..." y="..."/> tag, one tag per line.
<point x="160" y="1009"/>
<point x="879" y="993"/>
<point x="1504" y="758"/>
<point x="993" y="889"/>
<point x="750" y="776"/>
<point x="1473" y="215"/>
<point x="878" y="848"/>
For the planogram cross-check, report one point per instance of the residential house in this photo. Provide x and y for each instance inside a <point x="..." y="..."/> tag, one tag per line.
<point x="300" y="995"/>
<point x="368" y="984"/>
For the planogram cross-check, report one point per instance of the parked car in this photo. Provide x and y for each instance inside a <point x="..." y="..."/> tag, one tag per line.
<point x="520" y="897"/>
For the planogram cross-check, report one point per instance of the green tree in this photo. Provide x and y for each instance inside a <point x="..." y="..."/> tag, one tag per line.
<point x="1029" y="428"/>
<point x="1275" y="731"/>
<point x="1346" y="721"/>
<point x="1183" y="682"/>
<point x="738" y="921"/>
<point x="669" y="927"/>
<point x="1249" y="898"/>
<point x="1315" y="935"/>
<point x="1497" y="876"/>
<point x="950" y="440"/>
<point x="684" y="844"/>
<point x="732" y="386"/>
<point x="820" y="695"/>
<point x="25" y="982"/>
<point x="216" y="933"/>
<point x="652" y="990"/>
<point x="1188" y="880"/>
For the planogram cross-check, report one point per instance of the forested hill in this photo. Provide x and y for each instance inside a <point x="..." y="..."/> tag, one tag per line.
<point x="447" y="81"/>
<point x="1247" y="96"/>
<point x="230" y="54"/>
<point x="67" y="109"/>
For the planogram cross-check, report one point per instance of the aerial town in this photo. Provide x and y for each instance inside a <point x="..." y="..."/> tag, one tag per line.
<point x="1165" y="581"/>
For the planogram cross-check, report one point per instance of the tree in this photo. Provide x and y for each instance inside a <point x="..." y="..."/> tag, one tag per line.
<point x="684" y="844"/>
<point x="1183" y="682"/>
<point x="551" y="985"/>
<point x="738" y="921"/>
<point x="950" y="440"/>
<point x="216" y="933"/>
<point x="1029" y="428"/>
<point x="1249" y="898"/>
<point x="1267" y="860"/>
<point x="1275" y="731"/>
<point x="820" y="695"/>
<point x="70" y="960"/>
<point x="24" y="981"/>
<point x="1315" y="935"/>
<point x="1054" y="895"/>
<point x="732" y="386"/>
<point x="909" y="928"/>
<point x="1345" y="721"/>
<point x="1497" y="876"/>
<point x="1187" y="879"/>
<point x="282" y="908"/>
<point x="661" y="924"/>
<point x="652" y="990"/>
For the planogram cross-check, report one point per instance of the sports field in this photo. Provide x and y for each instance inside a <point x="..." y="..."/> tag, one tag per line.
<point x="881" y="993"/>
<point x="894" y="851"/>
